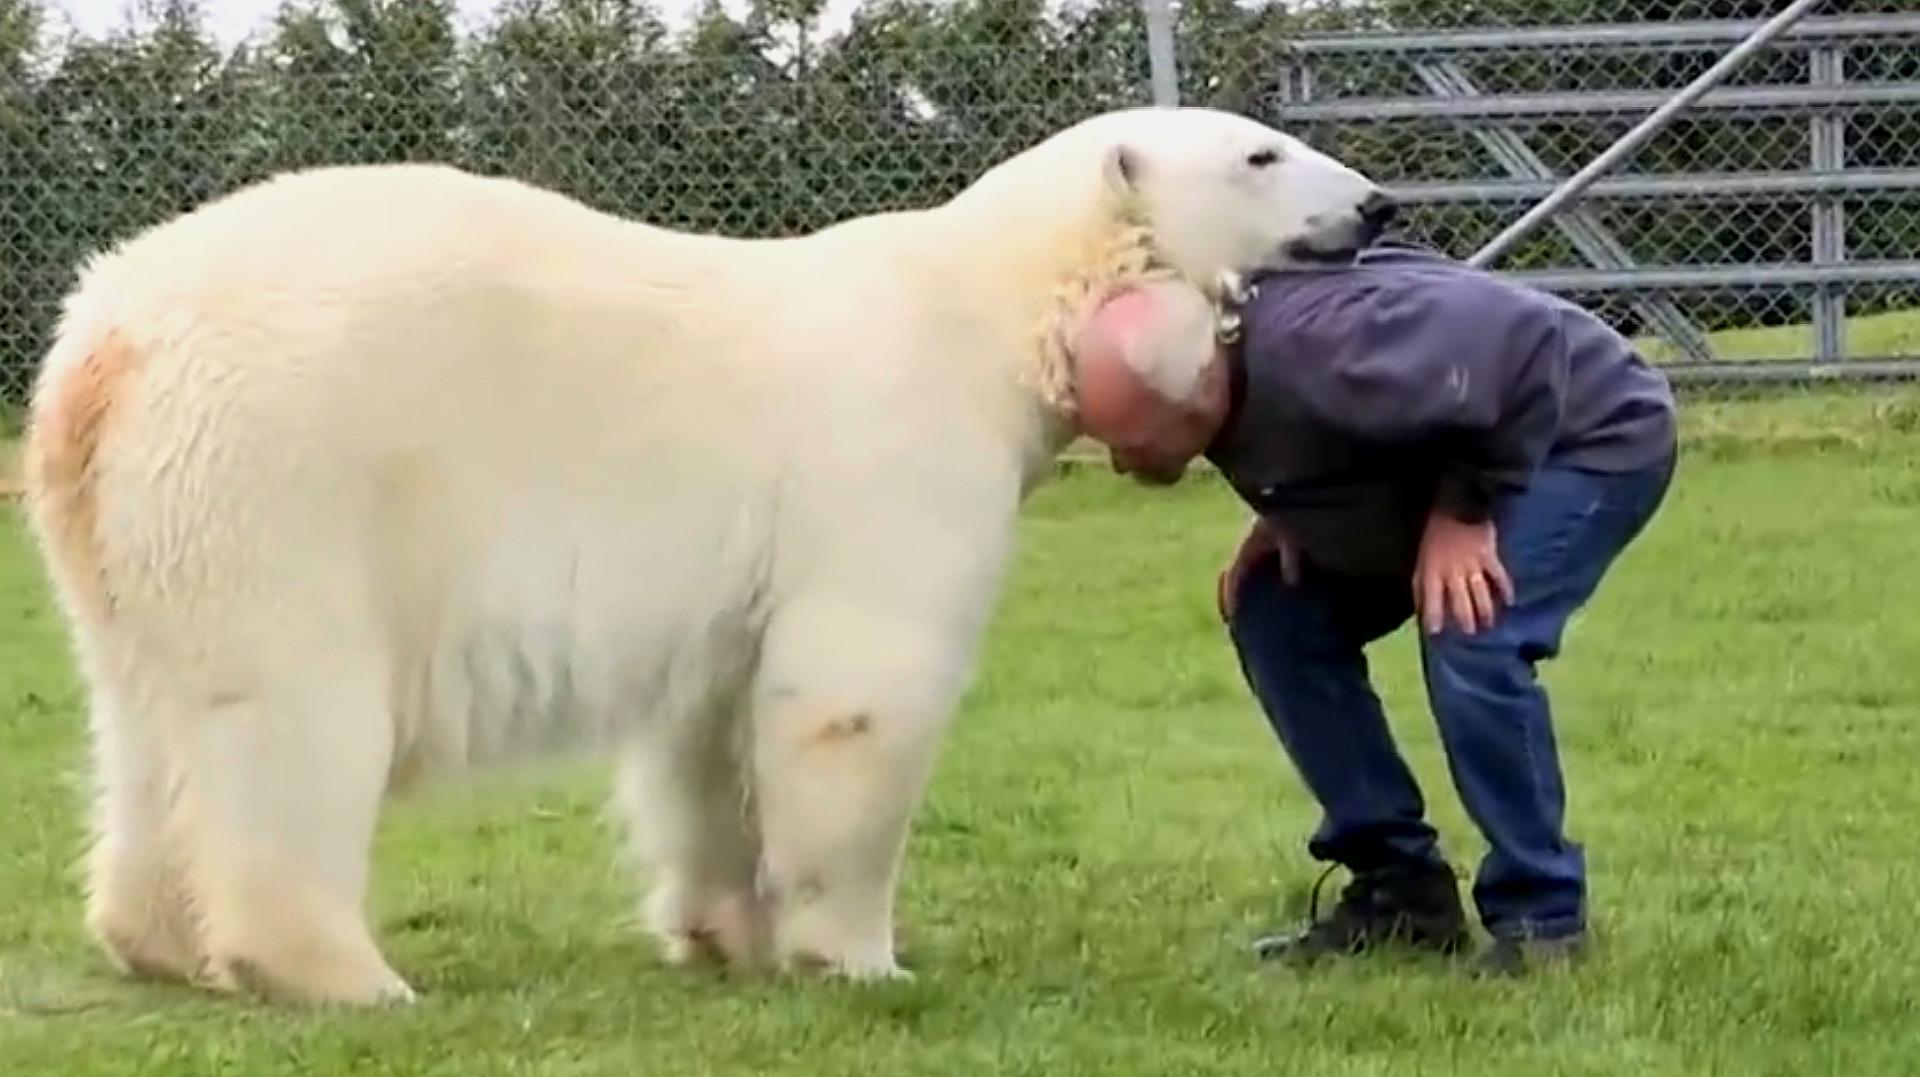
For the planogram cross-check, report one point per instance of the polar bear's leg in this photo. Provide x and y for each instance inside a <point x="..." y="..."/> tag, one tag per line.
<point x="281" y="790"/>
<point x="137" y="901"/>
<point x="680" y="792"/>
<point x="849" y="709"/>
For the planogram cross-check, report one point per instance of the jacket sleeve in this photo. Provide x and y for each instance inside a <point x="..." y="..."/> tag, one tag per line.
<point x="1459" y="363"/>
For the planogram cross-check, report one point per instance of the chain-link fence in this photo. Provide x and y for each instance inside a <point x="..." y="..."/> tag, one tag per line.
<point x="1775" y="224"/>
<point x="1773" y="229"/>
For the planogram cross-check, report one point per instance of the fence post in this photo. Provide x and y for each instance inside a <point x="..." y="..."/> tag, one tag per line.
<point x="1829" y="213"/>
<point x="1657" y="120"/>
<point x="1160" y="59"/>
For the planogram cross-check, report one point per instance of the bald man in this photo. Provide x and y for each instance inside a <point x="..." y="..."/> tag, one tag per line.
<point x="1416" y="438"/>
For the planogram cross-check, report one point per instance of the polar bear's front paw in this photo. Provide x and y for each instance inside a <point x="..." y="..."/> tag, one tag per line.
<point x="872" y="968"/>
<point x="891" y="974"/>
<point x="725" y="930"/>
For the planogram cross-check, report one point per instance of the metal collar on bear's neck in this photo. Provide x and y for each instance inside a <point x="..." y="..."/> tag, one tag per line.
<point x="1235" y="292"/>
<point x="1234" y="296"/>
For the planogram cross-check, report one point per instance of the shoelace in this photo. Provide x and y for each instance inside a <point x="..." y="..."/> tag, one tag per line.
<point x="1313" y="896"/>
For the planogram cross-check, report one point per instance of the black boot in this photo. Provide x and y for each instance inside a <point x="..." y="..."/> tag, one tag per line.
<point x="1417" y="905"/>
<point x="1519" y="957"/>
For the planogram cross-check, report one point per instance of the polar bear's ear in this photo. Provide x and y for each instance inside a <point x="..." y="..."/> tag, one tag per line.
<point x="1122" y="168"/>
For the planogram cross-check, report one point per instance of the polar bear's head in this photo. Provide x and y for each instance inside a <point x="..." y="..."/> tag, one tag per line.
<point x="1206" y="193"/>
<point x="1195" y="196"/>
<point x="1219" y="193"/>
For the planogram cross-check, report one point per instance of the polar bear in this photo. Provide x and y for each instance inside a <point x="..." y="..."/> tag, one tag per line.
<point x="360" y="476"/>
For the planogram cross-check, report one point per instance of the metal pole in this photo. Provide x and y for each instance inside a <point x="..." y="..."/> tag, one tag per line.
<point x="1829" y="214"/>
<point x="1166" y="83"/>
<point x="1656" y="121"/>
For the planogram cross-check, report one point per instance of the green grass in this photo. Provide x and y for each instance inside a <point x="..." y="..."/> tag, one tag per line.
<point x="1877" y="336"/>
<point x="1111" y="821"/>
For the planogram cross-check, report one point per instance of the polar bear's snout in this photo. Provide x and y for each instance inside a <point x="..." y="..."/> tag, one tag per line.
<point x="1340" y="237"/>
<point x="1339" y="210"/>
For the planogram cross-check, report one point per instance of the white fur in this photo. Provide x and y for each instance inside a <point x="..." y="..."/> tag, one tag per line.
<point x="365" y="475"/>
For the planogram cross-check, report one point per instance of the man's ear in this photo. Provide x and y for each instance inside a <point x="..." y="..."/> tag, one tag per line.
<point x="1123" y="167"/>
<point x="1162" y="330"/>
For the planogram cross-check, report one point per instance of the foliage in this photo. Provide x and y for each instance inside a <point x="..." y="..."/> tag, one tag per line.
<point x="748" y="125"/>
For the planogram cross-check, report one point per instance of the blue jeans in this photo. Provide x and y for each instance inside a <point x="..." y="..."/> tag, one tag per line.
<point x="1301" y="649"/>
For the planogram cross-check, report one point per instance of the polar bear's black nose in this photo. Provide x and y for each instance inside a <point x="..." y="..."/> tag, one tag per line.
<point x="1376" y="213"/>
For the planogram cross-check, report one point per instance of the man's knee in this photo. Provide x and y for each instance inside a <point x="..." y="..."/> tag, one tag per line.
<point x="1320" y="615"/>
<point x="1509" y="648"/>
<point x="1278" y="621"/>
<point x="1267" y="611"/>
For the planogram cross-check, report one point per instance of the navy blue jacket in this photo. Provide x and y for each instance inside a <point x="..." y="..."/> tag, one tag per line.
<point x="1365" y="396"/>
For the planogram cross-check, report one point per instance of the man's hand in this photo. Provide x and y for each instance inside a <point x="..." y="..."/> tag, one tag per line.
<point x="1262" y="539"/>
<point x="1459" y="571"/>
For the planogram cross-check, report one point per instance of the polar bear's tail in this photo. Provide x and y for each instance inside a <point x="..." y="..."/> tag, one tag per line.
<point x="82" y="378"/>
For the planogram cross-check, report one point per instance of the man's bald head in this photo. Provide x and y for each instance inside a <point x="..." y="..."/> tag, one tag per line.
<point x="1160" y="332"/>
<point x="1148" y="378"/>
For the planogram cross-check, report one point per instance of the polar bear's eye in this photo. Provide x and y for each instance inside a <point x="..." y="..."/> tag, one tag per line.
<point x="1263" y="158"/>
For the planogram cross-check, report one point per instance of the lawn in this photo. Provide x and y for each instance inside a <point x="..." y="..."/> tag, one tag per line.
<point x="1111" y="822"/>
<point x="9" y="458"/>
<point x="1874" y="336"/>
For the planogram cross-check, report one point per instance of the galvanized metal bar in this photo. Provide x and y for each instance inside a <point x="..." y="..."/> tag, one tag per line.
<point x="1163" y="67"/>
<point x="1641" y="132"/>
<point x="1636" y="35"/>
<point x="1770" y="275"/>
<point x="1749" y="99"/>
<point x="1295" y="83"/>
<point x="1706" y="185"/>
<point x="1793" y="372"/>
<point x="1828" y="136"/>
<point x="1581" y="228"/>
